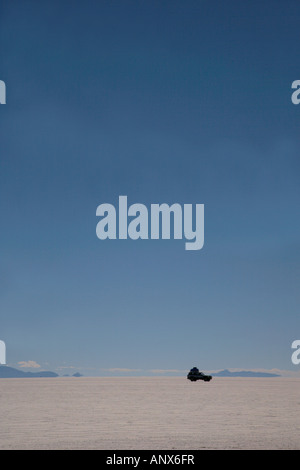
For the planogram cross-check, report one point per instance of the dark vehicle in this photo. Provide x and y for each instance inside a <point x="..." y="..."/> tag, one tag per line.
<point x="194" y="375"/>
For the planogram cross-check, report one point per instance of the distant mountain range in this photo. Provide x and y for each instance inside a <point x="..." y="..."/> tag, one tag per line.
<point x="9" y="372"/>
<point x="243" y="373"/>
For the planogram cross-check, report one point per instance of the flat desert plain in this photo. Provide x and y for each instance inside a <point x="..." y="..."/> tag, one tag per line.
<point x="149" y="413"/>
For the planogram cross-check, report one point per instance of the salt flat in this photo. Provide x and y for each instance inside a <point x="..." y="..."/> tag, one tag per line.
<point x="149" y="413"/>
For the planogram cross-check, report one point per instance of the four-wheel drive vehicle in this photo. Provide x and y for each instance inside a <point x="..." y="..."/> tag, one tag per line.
<point x="194" y="375"/>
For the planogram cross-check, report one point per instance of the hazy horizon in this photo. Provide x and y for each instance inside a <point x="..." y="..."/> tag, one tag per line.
<point x="127" y="372"/>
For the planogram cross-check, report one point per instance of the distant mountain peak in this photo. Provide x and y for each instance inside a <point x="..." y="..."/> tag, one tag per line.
<point x="243" y="373"/>
<point x="7" y="372"/>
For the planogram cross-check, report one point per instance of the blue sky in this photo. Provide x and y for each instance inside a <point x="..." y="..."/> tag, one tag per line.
<point x="186" y="102"/>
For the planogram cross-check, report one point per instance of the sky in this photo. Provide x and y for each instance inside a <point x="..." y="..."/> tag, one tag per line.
<point x="165" y="102"/>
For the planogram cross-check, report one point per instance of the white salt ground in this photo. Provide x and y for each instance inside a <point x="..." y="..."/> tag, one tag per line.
<point x="150" y="413"/>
